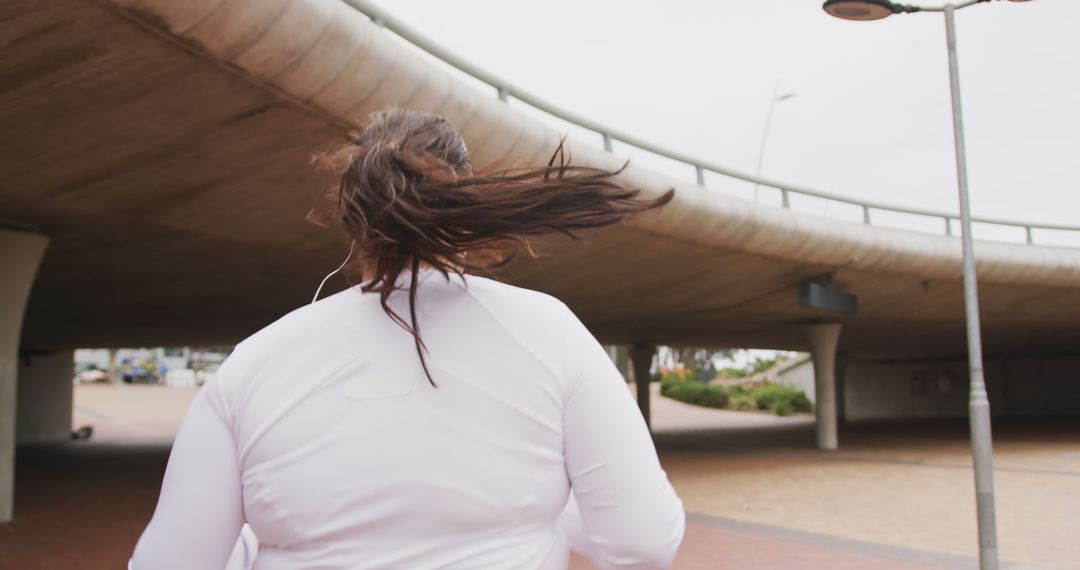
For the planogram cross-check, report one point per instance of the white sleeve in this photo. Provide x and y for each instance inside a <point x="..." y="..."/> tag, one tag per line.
<point x="626" y="515"/>
<point x="200" y="511"/>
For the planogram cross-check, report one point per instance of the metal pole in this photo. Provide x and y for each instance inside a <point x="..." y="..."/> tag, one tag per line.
<point x="765" y="135"/>
<point x="978" y="403"/>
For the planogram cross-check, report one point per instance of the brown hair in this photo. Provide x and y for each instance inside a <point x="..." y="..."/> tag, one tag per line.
<point x="409" y="196"/>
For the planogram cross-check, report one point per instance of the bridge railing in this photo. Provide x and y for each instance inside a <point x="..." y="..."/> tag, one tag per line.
<point x="698" y="168"/>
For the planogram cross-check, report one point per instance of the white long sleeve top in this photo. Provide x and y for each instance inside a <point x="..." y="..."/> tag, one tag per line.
<point x="323" y="434"/>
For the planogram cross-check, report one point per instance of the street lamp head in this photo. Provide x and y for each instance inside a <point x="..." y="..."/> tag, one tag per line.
<point x="860" y="9"/>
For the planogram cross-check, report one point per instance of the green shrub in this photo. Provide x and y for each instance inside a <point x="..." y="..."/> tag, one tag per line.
<point x="741" y="402"/>
<point x="733" y="372"/>
<point x="693" y="392"/>
<point x="689" y="391"/>
<point x="767" y="394"/>
<point x="800" y="403"/>
<point x="667" y="384"/>
<point x="778" y="397"/>
<point x="781" y="407"/>
<point x="713" y="396"/>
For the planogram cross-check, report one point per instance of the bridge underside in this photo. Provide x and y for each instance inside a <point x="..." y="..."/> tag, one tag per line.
<point x="174" y="189"/>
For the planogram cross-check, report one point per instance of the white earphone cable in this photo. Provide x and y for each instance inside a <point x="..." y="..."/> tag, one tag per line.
<point x="352" y="247"/>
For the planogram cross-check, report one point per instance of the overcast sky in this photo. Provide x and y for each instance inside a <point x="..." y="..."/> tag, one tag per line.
<point x="870" y="117"/>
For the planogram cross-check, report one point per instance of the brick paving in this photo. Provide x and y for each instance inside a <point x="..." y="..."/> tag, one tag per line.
<point x="896" y="496"/>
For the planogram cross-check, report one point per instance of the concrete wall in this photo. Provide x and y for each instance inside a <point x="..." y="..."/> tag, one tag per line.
<point x="939" y="389"/>
<point x="799" y="374"/>
<point x="1041" y="386"/>
<point x="44" y="397"/>
<point x="1030" y="386"/>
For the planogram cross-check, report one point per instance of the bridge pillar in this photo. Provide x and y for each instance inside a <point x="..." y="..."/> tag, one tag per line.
<point x="841" y="388"/>
<point x="823" y="342"/>
<point x="620" y="354"/>
<point x="44" y="397"/>
<point x="20" y="255"/>
<point x="641" y="356"/>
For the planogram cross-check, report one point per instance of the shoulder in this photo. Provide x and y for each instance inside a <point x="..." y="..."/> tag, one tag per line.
<point x="303" y="321"/>
<point x="540" y="321"/>
<point x="272" y="336"/>
<point x="512" y="303"/>
<point x="257" y="350"/>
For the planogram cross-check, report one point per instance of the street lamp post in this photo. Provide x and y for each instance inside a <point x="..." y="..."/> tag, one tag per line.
<point x="776" y="98"/>
<point x="978" y="403"/>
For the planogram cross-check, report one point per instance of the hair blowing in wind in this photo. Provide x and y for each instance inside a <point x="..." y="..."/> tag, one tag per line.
<point x="410" y="198"/>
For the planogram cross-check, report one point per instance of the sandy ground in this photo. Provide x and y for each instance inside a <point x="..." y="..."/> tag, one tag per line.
<point x="896" y="496"/>
<point x="907" y="485"/>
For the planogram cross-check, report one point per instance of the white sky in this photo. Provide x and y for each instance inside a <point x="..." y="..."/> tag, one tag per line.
<point x="870" y="117"/>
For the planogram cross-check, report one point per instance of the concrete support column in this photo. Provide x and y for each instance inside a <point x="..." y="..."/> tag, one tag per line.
<point x="45" y="397"/>
<point x="841" y="386"/>
<point x="823" y="342"/>
<point x="641" y="356"/>
<point x="621" y="355"/>
<point x="20" y="255"/>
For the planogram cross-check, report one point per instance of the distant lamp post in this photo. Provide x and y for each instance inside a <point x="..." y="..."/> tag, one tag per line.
<point x="776" y="98"/>
<point x="879" y="9"/>
<point x="861" y="9"/>
<point x="978" y="403"/>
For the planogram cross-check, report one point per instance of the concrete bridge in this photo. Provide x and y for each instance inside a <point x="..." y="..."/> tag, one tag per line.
<point x="155" y="184"/>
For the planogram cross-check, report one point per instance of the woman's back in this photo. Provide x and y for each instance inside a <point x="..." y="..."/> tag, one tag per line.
<point x="341" y="414"/>
<point x="417" y="420"/>
<point x="342" y="454"/>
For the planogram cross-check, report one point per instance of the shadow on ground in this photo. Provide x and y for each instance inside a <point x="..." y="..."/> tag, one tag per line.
<point x="82" y="505"/>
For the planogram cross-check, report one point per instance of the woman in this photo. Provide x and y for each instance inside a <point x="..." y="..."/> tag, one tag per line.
<point x="426" y="418"/>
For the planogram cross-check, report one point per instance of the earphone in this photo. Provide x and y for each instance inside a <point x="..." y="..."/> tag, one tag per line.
<point x="352" y="247"/>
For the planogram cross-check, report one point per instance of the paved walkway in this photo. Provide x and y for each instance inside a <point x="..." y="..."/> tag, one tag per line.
<point x="897" y="496"/>
<point x="894" y="491"/>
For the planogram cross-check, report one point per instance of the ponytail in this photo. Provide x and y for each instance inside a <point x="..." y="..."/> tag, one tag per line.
<point x="409" y="196"/>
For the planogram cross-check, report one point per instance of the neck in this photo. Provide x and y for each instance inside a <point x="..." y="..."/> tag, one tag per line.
<point x="369" y="272"/>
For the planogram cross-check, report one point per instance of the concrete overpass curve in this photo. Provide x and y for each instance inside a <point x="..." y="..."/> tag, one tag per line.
<point x="161" y="150"/>
<point x="186" y="128"/>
